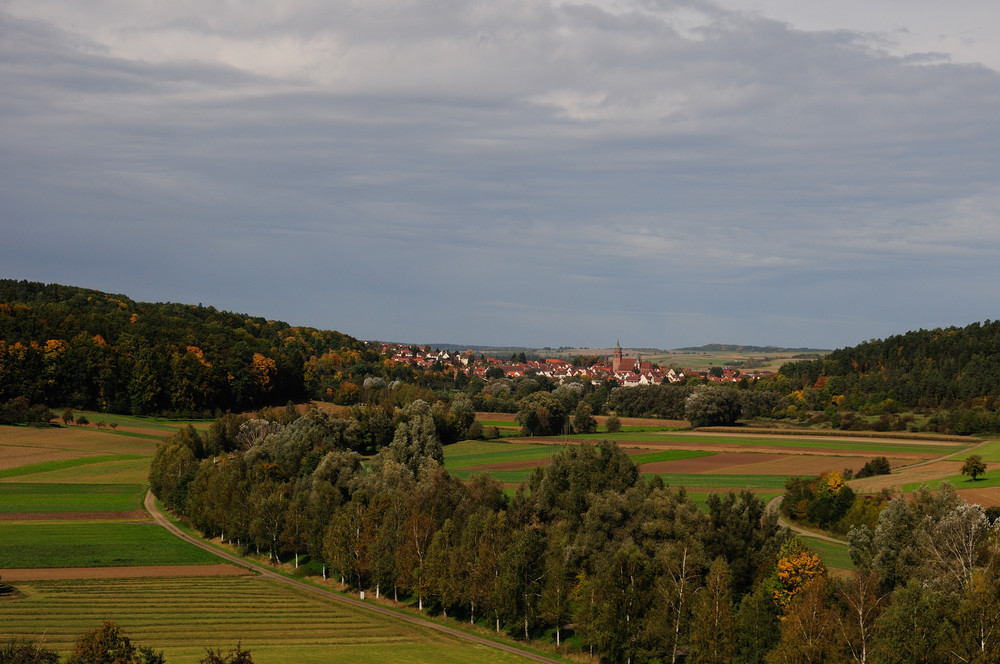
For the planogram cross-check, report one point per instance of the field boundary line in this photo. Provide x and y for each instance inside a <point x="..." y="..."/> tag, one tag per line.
<point x="161" y="519"/>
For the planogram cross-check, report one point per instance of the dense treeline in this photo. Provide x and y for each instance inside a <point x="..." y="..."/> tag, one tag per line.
<point x="67" y="346"/>
<point x="953" y="368"/>
<point x="587" y="526"/>
<point x="632" y="571"/>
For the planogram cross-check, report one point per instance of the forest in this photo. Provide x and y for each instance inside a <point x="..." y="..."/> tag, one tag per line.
<point x="629" y="570"/>
<point x="67" y="346"/>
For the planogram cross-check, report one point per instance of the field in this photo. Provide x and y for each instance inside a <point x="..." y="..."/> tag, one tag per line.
<point x="710" y="462"/>
<point x="45" y="498"/>
<point x="183" y="616"/>
<point x="79" y="549"/>
<point x="93" y="544"/>
<point x="70" y="507"/>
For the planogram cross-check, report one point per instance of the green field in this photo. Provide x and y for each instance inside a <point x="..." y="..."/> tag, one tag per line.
<point x="990" y="452"/>
<point x="989" y="480"/>
<point x="721" y="481"/>
<point x="183" y="616"/>
<point x="166" y="425"/>
<point x="483" y="453"/>
<point x="833" y="555"/>
<point x="700" y="498"/>
<point x="93" y="544"/>
<point x="33" y="498"/>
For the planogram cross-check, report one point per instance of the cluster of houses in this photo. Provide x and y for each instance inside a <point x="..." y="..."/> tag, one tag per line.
<point x="626" y="371"/>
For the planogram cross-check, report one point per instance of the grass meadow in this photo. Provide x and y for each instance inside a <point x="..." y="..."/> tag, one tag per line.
<point x="93" y="544"/>
<point x="69" y="498"/>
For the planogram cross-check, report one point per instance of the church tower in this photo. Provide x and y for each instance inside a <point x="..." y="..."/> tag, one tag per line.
<point x="617" y="362"/>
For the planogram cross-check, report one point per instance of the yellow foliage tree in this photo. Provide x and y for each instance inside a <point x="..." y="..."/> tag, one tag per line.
<point x="796" y="567"/>
<point x="262" y="368"/>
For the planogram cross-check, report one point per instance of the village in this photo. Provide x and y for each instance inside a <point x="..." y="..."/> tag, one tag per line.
<point x="627" y="371"/>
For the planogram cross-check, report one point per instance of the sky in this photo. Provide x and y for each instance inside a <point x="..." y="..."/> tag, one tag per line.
<point x="522" y="173"/>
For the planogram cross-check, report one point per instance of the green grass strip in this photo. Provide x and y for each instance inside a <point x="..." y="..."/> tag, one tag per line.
<point x="71" y="544"/>
<point x="833" y="555"/>
<point x="989" y="452"/>
<point x="700" y="498"/>
<point x="46" y="466"/>
<point x="70" y="498"/>
<point x="734" y="482"/>
<point x="991" y="479"/>
<point x="161" y="423"/>
<point x="512" y="453"/>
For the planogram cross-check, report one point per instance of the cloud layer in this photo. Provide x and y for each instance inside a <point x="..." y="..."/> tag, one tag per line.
<point x="666" y="173"/>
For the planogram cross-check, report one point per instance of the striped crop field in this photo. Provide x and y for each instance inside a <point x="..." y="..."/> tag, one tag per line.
<point x="183" y="616"/>
<point x="477" y="453"/>
<point x="882" y="446"/>
<point x="70" y="498"/>
<point x="721" y="482"/>
<point x="93" y="544"/>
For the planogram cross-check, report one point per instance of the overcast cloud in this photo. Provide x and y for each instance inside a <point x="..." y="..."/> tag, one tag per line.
<point x="665" y="173"/>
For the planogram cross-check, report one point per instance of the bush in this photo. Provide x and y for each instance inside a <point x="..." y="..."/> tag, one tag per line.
<point x="613" y="423"/>
<point x="876" y="466"/>
<point x="716" y="406"/>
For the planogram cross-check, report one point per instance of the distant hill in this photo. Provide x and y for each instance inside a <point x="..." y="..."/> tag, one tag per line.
<point x="949" y="367"/>
<point x="70" y="346"/>
<point x="734" y="348"/>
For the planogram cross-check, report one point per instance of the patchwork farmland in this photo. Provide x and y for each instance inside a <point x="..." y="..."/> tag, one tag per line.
<point x="79" y="548"/>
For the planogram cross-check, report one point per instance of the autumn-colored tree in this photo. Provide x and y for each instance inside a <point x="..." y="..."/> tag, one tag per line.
<point x="796" y="567"/>
<point x="262" y="369"/>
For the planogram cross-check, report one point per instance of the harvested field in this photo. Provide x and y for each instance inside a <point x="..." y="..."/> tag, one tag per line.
<point x="769" y="464"/>
<point x="148" y="572"/>
<point x="988" y="497"/>
<point x="22" y="446"/>
<point x="497" y="417"/>
<point x="924" y="473"/>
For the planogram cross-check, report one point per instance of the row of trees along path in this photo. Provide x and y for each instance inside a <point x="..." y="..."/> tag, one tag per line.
<point x="161" y="519"/>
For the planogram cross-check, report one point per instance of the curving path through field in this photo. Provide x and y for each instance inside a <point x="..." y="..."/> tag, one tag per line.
<point x="775" y="505"/>
<point x="159" y="518"/>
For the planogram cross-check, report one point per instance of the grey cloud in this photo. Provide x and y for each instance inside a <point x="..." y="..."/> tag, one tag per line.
<point x="403" y="159"/>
